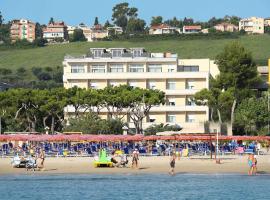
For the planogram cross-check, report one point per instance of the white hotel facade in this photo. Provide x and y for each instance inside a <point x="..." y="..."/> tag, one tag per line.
<point x="180" y="79"/>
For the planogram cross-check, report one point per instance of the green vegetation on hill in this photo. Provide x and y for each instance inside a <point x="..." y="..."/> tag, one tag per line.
<point x="53" y="55"/>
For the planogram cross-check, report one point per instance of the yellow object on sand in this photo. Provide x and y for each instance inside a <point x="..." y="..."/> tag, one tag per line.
<point x="185" y="153"/>
<point x="118" y="152"/>
<point x="65" y="153"/>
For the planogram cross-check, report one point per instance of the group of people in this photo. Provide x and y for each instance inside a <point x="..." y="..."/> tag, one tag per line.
<point x="124" y="160"/>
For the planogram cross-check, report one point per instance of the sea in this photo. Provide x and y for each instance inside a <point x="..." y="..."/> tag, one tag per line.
<point x="134" y="187"/>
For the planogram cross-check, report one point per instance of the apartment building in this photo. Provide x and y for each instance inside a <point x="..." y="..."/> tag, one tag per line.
<point x="226" y="27"/>
<point x="56" y="30"/>
<point x="192" y="29"/>
<point x="163" y="29"/>
<point x="180" y="79"/>
<point x="252" y="25"/>
<point x="22" y="29"/>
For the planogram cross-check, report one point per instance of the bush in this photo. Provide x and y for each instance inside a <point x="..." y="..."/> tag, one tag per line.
<point x="196" y="36"/>
<point x="152" y="130"/>
<point x="93" y="124"/>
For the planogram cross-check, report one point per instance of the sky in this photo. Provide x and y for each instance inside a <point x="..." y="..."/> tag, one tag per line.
<point x="74" y="12"/>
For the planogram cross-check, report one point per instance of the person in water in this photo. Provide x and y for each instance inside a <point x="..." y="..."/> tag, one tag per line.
<point x="172" y="163"/>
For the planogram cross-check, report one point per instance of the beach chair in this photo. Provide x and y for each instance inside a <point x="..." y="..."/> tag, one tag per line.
<point x="103" y="160"/>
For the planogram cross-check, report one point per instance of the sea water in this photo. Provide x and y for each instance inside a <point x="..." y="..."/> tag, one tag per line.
<point x="118" y="187"/>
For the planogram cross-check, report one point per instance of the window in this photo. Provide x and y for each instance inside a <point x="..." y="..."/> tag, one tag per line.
<point x="171" y="85"/>
<point x="171" y="68"/>
<point x="137" y="52"/>
<point x="188" y="68"/>
<point x="132" y="84"/>
<point x="171" y="102"/>
<point x="113" y="83"/>
<point x="77" y="69"/>
<point x="116" y="68"/>
<point x="190" y="118"/>
<point x="117" y="52"/>
<point x="152" y="85"/>
<point x="136" y="68"/>
<point x="98" y="69"/>
<point x="93" y="85"/>
<point x="190" y="84"/>
<point x="190" y="101"/>
<point x="97" y="53"/>
<point x="155" y="68"/>
<point x="152" y="118"/>
<point x="171" y="118"/>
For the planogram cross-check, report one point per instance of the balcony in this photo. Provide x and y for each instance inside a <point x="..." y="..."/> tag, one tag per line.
<point x="139" y="75"/>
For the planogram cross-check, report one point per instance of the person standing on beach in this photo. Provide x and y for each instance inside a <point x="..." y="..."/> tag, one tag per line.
<point x="172" y="163"/>
<point x="135" y="158"/>
<point x="42" y="157"/>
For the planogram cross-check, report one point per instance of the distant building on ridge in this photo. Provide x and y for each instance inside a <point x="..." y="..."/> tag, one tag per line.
<point x="22" y="29"/>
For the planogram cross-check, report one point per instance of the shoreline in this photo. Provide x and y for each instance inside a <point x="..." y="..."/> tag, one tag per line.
<point x="147" y="165"/>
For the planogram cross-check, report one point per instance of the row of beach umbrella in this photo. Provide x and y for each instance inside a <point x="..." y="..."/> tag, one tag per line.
<point x="123" y="138"/>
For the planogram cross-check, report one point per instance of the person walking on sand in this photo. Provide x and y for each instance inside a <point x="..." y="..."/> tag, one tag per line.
<point x="172" y="163"/>
<point x="135" y="158"/>
<point x="251" y="164"/>
<point x="42" y="157"/>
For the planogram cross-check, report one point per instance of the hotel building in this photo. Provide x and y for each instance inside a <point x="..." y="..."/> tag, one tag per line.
<point x="22" y="29"/>
<point x="180" y="79"/>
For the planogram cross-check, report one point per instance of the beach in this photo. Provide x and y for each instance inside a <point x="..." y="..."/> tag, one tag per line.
<point x="230" y="164"/>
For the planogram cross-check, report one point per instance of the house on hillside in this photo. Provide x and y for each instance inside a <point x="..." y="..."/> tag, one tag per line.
<point x="56" y="31"/>
<point x="163" y="29"/>
<point x="252" y="25"/>
<point x="226" y="27"/>
<point x="22" y="29"/>
<point x="192" y="29"/>
<point x="98" y="32"/>
<point x="114" y="30"/>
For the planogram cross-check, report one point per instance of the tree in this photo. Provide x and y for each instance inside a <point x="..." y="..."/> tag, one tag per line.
<point x="55" y="102"/>
<point x="122" y="13"/>
<point x="267" y="29"/>
<point x="1" y="19"/>
<point x="107" y="24"/>
<point x="135" y="26"/>
<point x="156" y="20"/>
<point x="238" y="75"/>
<point x="51" y="20"/>
<point x="174" y="22"/>
<point x="142" y="100"/>
<point x="252" y="114"/>
<point x="91" y="123"/>
<point x="78" y="36"/>
<point x="96" y="21"/>
<point x="38" y="31"/>
<point x="188" y="21"/>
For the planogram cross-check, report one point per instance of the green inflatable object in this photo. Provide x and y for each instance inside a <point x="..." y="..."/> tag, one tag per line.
<point x="103" y="156"/>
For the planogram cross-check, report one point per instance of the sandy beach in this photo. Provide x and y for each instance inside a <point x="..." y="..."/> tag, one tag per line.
<point x="201" y="165"/>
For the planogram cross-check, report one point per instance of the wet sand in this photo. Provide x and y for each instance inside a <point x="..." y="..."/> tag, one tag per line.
<point x="230" y="164"/>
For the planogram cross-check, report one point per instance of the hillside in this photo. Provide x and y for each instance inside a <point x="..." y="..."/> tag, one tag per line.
<point x="53" y="55"/>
